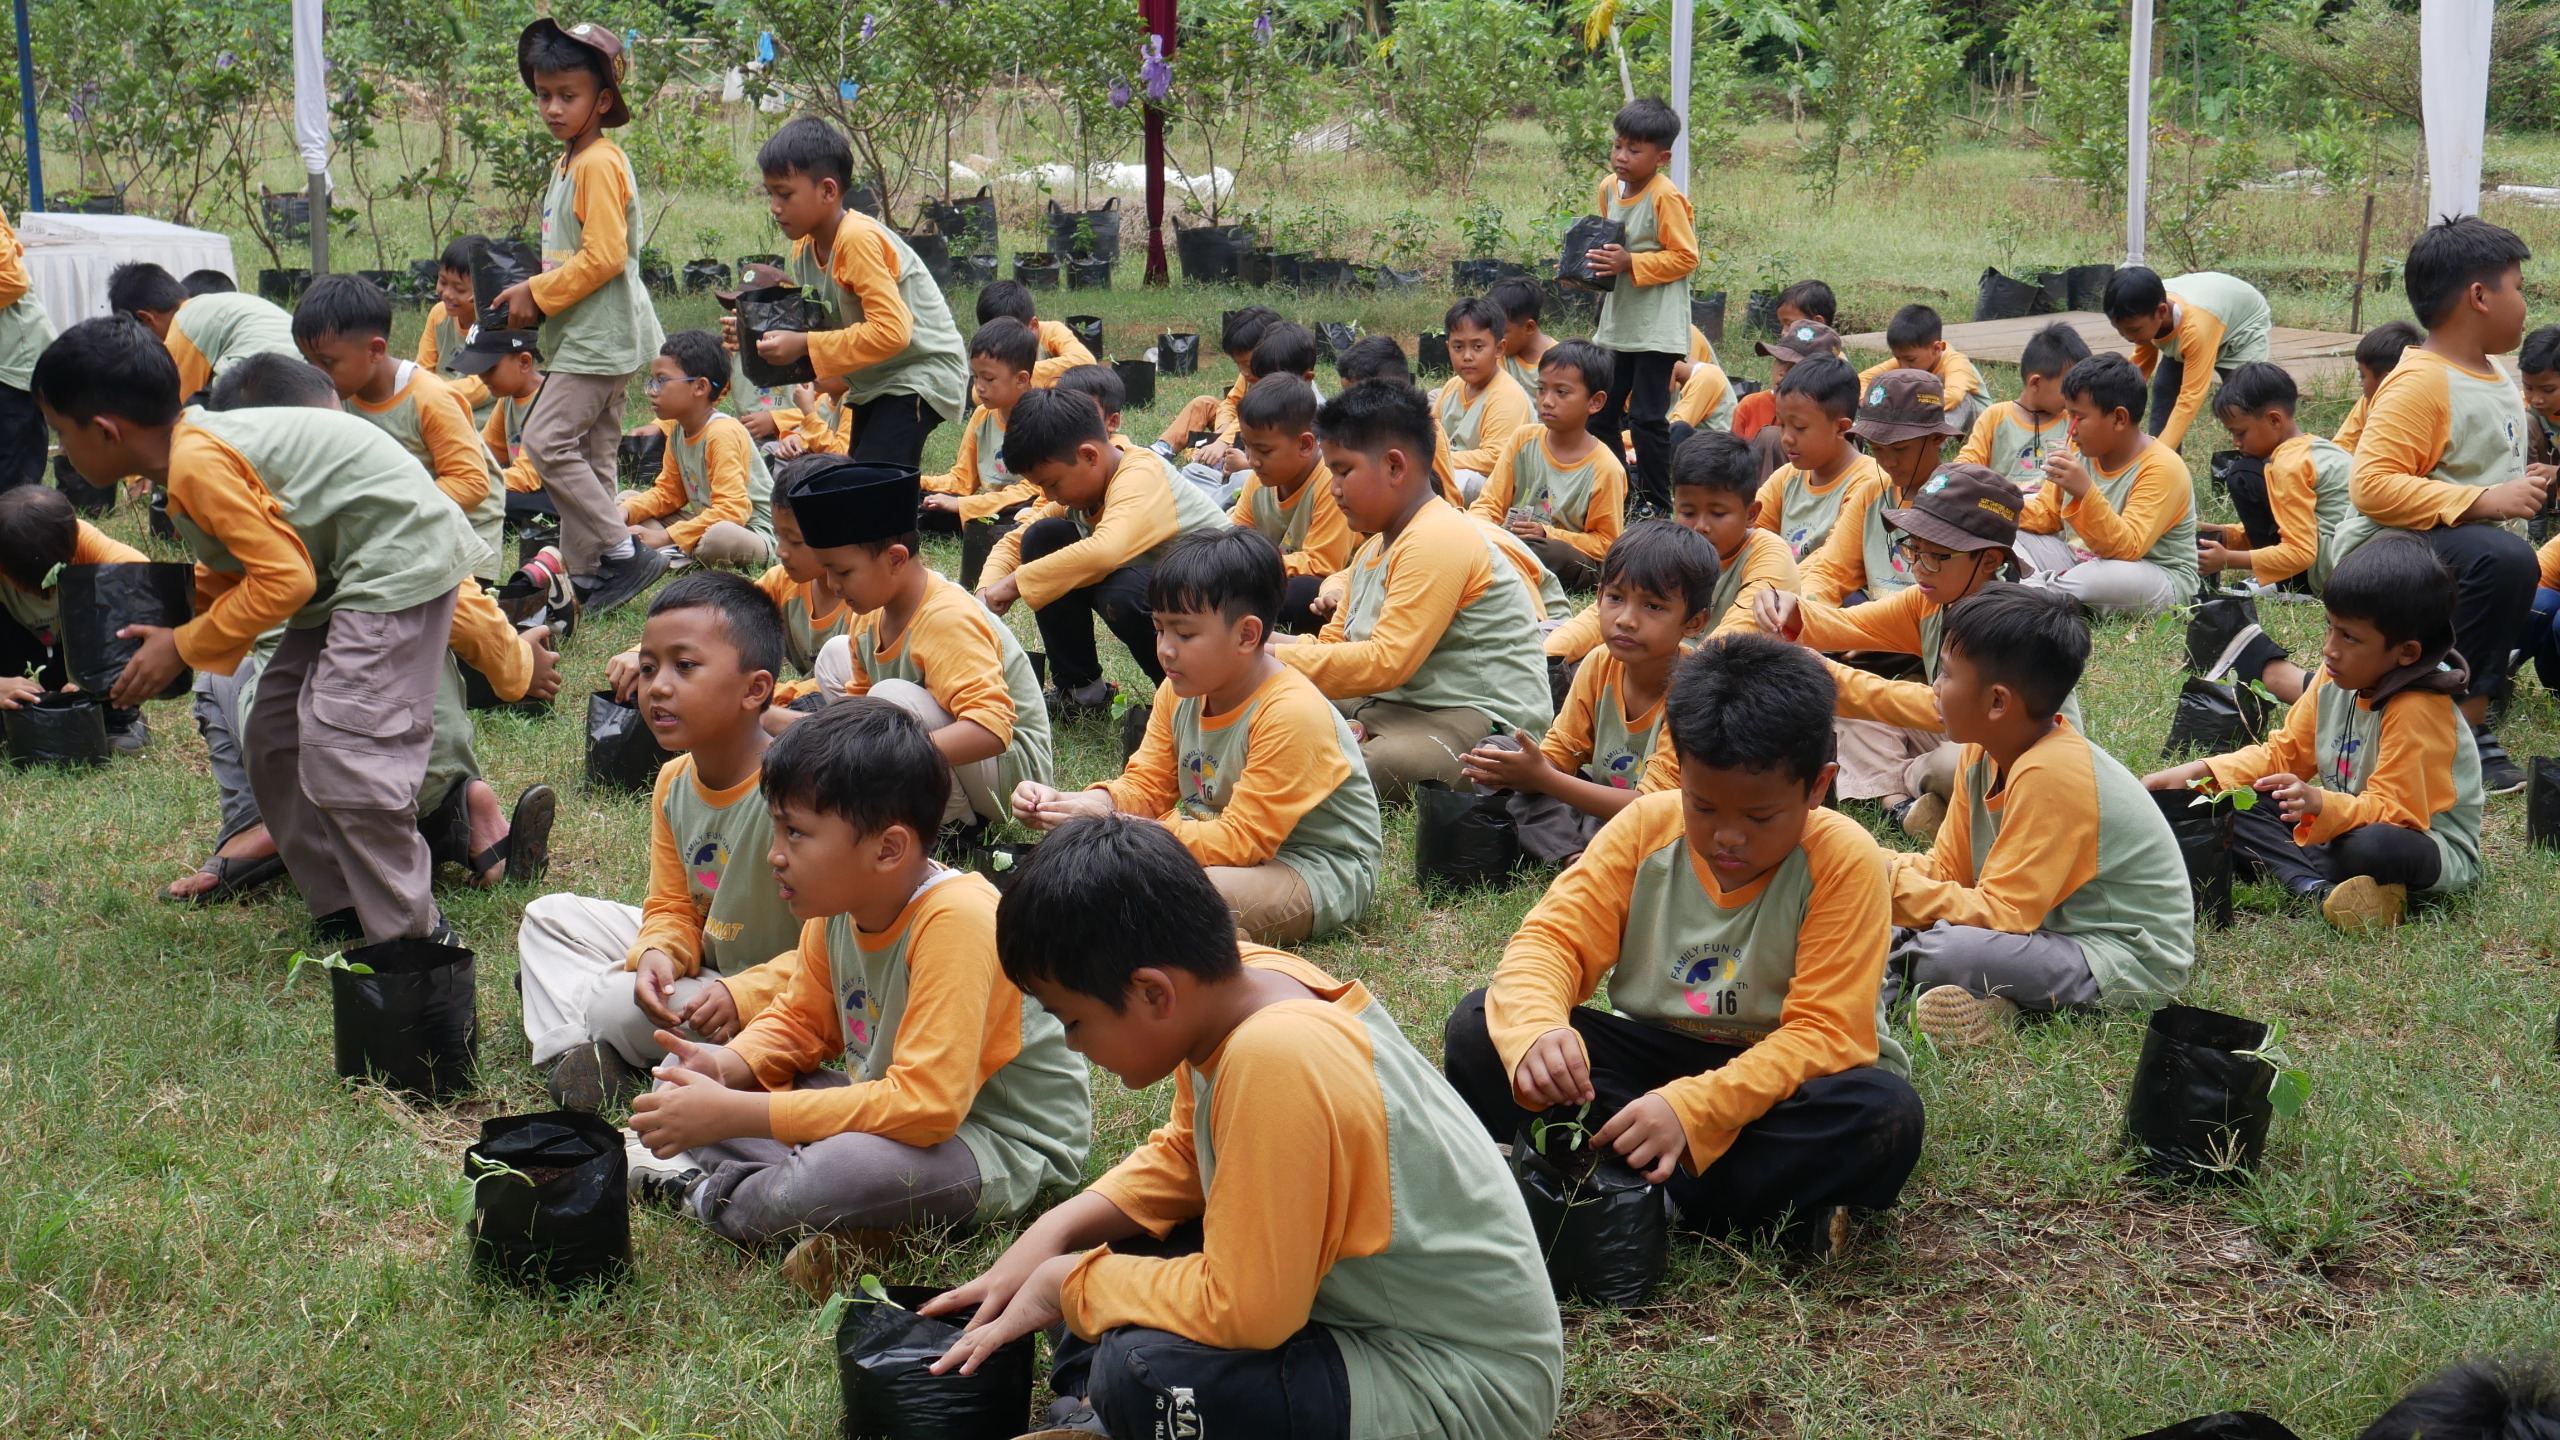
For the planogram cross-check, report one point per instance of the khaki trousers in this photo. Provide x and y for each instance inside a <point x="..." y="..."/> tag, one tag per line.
<point x="1405" y="746"/>
<point x="1270" y="900"/>
<point x="574" y="434"/>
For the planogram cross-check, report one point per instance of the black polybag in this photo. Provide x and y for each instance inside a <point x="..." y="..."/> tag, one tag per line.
<point x="640" y="457"/>
<point x="622" y="753"/>
<point x="1462" y="838"/>
<point x="414" y="1022"/>
<point x="99" y="600"/>
<point x="2089" y="286"/>
<point x="705" y="274"/>
<point x="496" y="266"/>
<point x="1335" y="336"/>
<point x="57" y="728"/>
<point x="2226" y="1425"/>
<point x="934" y="251"/>
<point x="1138" y="380"/>
<point x="775" y="309"/>
<point x="1088" y="332"/>
<point x="1706" y="313"/>
<point x="1103" y="222"/>
<point x="884" y="1354"/>
<point x="1591" y="232"/>
<point x="2196" y="1109"/>
<point x="1431" y="353"/>
<point x="2203" y="833"/>
<point x="969" y="224"/>
<point x="479" y="694"/>
<point x="2003" y="297"/>
<point x="1605" y="1232"/>
<point x="550" y="1200"/>
<point x="1133" y="728"/>
<point x="1038" y="269"/>
<point x="2542" y="802"/>
<point x="2212" y="718"/>
<point x="1208" y="252"/>
<point x="1177" y="354"/>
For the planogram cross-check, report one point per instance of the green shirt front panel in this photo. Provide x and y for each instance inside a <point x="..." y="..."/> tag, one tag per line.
<point x="488" y="518"/>
<point x="2484" y="445"/>
<point x="2247" y="325"/>
<point x="1337" y="847"/>
<point x="2175" y="550"/>
<point x="1618" y="749"/>
<point x="1490" y="658"/>
<point x="1461" y="421"/>
<point x="2350" y="744"/>
<point x="1806" y="516"/>
<point x="229" y="326"/>
<point x="1030" y="1122"/>
<point x="935" y="363"/>
<point x="614" y="330"/>
<point x="1887" y="573"/>
<point x="693" y="467"/>
<point x="449" y="343"/>
<point x="2019" y="449"/>
<point x="992" y="475"/>
<point x="2334" y="472"/>
<point x="1282" y="525"/>
<point x="1648" y="318"/>
<point x="25" y="329"/>
<point x="1559" y="496"/>
<point x="380" y="535"/>
<point x="1029" y="755"/>
<point x="802" y="638"/>
<point x="723" y="847"/>
<point x="1526" y="376"/>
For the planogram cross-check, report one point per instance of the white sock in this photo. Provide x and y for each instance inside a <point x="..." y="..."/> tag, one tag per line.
<point x="622" y="551"/>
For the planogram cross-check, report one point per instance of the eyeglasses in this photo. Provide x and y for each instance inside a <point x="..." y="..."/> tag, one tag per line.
<point x="656" y="383"/>
<point x="1920" y="562"/>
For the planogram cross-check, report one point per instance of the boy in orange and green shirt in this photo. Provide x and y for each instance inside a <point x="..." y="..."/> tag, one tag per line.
<point x="1288" y="494"/>
<point x="1644" y="320"/>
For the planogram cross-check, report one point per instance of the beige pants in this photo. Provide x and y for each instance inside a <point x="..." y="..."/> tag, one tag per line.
<point x="1270" y="900"/>
<point x="974" y="785"/>
<point x="1405" y="746"/>
<point x="574" y="434"/>
<point x="1877" y="760"/>
<point x="571" y="958"/>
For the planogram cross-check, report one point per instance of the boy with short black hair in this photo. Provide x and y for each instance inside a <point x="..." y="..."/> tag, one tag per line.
<point x="2055" y="881"/>
<point x="812" y="612"/>
<point x="1917" y="339"/>
<point x="2185" y="332"/>
<point x="1715" y="491"/>
<point x="1216" y="414"/>
<point x="1359" y="1253"/>
<point x="1524" y="345"/>
<point x="450" y="326"/>
<point x="208" y="282"/>
<point x="1107" y="514"/>
<point x="2538" y="366"/>
<point x="1243" y="759"/>
<point x="2114" y="525"/>
<point x="1644" y="320"/>
<point x="1904" y="422"/>
<point x="2290" y="489"/>
<point x="24" y="331"/>
<point x="40" y="532"/>
<point x="1480" y="407"/>
<point x="1800" y="501"/>
<point x="1004" y="357"/>
<point x="1059" y="351"/>
<point x="1288" y="494"/>
<point x="2377" y="354"/>
<point x="2376" y="775"/>
<point x="2013" y="437"/>
<point x="1743" y="1061"/>
<point x="957" y="1101"/>
<point x="1556" y="486"/>
<point x="217" y="332"/>
<point x="507" y="366"/>
<point x="1284" y="349"/>
<point x="713" y="501"/>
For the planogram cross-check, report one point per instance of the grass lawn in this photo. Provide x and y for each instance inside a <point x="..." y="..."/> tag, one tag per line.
<point x="210" y="1235"/>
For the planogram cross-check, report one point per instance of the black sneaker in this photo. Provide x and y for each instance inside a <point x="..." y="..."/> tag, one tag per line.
<point x="617" y="583"/>
<point x="1074" y="1412"/>
<point x="593" y="1076"/>
<point x="2221" y="628"/>
<point x="2499" y="773"/>
<point x="131" y="735"/>
<point x="1081" y="702"/>
<point x="661" y="1184"/>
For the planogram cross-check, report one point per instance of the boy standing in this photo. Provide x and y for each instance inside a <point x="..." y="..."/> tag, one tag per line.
<point x="1800" y="501"/>
<point x="1556" y="486"/>
<point x="2114" y="525"/>
<point x="714" y="498"/>
<point x="24" y="332"/>
<point x="2186" y="333"/>
<point x="1243" y="760"/>
<point x="1362" y="1266"/>
<point x="1743" y="1062"/>
<point x="1644" y="321"/>
<point x="217" y="331"/>
<point x="1288" y="494"/>
<point x="2013" y="438"/>
<point x="1481" y="406"/>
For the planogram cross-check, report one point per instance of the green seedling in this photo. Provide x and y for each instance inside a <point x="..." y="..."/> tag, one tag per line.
<point x="2241" y="797"/>
<point x="1001" y="861"/>
<point x="872" y="1290"/>
<point x="2292" y="1088"/>
<point x="337" y="961"/>
<point x="1576" y="1133"/>
<point x="53" y="576"/>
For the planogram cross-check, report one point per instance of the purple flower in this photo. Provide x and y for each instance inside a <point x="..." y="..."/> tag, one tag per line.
<point x="868" y="25"/>
<point x="1262" y="28"/>
<point x="1157" y="72"/>
<point x="223" y="61"/>
<point x="1120" y="93"/>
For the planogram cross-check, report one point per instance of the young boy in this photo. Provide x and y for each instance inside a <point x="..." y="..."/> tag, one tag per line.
<point x="1481" y="407"/>
<point x="1243" y="759"/>
<point x="1284" y="349"/>
<point x="2443" y="456"/>
<point x="1524" y="345"/>
<point x="1805" y="303"/>
<point x="1059" y="349"/>
<point x="2377" y="353"/>
<point x="812" y="613"/>
<point x="957" y="1101"/>
<point x="452" y="325"/>
<point x="1715" y="484"/>
<point x="40" y="532"/>
<point x="2375" y="772"/>
<point x="1657" y="592"/>
<point x="1800" y="501"/>
<point x="897" y="349"/>
<point x="1644" y="321"/>
<point x="2055" y="881"/>
<point x="1004" y="356"/>
<point x="1358" y="1251"/>
<point x="1917" y="339"/>
<point x="1556" y="486"/>
<point x="1288" y="494"/>
<point x="1216" y="414"/>
<point x="343" y="325"/>
<point x="2114" y="525"/>
<point x="1904" y="422"/>
<point x="1706" y="403"/>
<point x="507" y="365"/>
<point x="2184" y="333"/>
<point x="600" y="978"/>
<point x="318" y="521"/>
<point x="2291" y="492"/>
<point x="1743" y="1061"/>
<point x="1436" y="644"/>
<point x="2013" y="437"/>
<point x="216" y="331"/>
<point x="597" y="324"/>
<point x="714" y="498"/>
<point x="25" y="329"/>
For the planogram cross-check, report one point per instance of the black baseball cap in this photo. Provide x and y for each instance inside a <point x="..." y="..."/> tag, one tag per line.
<point x="486" y="347"/>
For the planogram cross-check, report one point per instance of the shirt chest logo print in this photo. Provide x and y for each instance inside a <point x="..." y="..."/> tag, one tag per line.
<point x="705" y="860"/>
<point x="2348" y="745"/>
<point x="1199" y="777"/>
<point x="860" y="1013"/>
<point x="1704" y="968"/>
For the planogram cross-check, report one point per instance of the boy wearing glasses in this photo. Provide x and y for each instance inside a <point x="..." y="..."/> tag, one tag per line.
<point x="714" y="499"/>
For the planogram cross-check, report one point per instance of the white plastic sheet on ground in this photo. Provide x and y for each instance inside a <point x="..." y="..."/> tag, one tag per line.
<point x="2453" y="39"/>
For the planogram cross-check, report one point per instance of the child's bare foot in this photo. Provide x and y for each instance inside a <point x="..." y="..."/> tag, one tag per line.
<point x="488" y="832"/>
<point x="234" y="866"/>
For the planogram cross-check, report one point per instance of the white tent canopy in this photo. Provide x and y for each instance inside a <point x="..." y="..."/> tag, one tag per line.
<point x="70" y="256"/>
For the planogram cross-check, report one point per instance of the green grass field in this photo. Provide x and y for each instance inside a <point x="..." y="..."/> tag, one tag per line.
<point x="210" y="1235"/>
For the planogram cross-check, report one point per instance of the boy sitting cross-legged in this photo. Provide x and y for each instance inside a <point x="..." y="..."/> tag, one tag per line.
<point x="599" y="978"/>
<point x="1288" y="495"/>
<point x="1817" y="406"/>
<point x="977" y="490"/>
<point x="2114" y="525"/>
<point x="1481" y="405"/>
<point x="2054" y="881"/>
<point x="1556" y="486"/>
<point x="2375" y="772"/>
<point x="1743" y="1061"/>
<point x="1657" y="591"/>
<point x="2291" y="499"/>
<point x="2013" y="437"/>
<point x="1715" y="490"/>
<point x="1317" y="1243"/>
<point x="1243" y="760"/>
<point x="957" y="1100"/>
<point x="714" y="498"/>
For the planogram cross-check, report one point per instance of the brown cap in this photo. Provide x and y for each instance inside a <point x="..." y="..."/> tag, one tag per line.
<point x="1963" y="507"/>
<point x="600" y="39"/>
<point x="757" y="277"/>
<point x="1801" y="341"/>
<point x="1901" y="405"/>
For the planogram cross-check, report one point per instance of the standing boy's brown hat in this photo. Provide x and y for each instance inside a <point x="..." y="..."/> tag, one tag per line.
<point x="1965" y="508"/>
<point x="1802" y="341"/>
<point x="1901" y="405"/>
<point x="757" y="277"/>
<point x="600" y="39"/>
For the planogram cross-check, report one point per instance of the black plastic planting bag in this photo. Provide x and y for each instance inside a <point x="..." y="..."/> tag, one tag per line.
<point x="775" y="309"/>
<point x="99" y="600"/>
<point x="2542" y="802"/>
<point x="1335" y="336"/>
<point x="1088" y="332"/>
<point x="1207" y="253"/>
<point x="1068" y="229"/>
<point x="1474" y="277"/>
<point x="479" y="694"/>
<point x="1138" y="380"/>
<point x="550" y="1200"/>
<point x="1591" y="232"/>
<point x="1462" y="838"/>
<point x="57" y="728"/>
<point x="2196" y="1107"/>
<point x="621" y="752"/>
<point x="641" y="457"/>
<point x="1706" y="312"/>
<point x="1089" y="274"/>
<point x="705" y="274"/>
<point x="1037" y="269"/>
<point x="934" y="251"/>
<point x="2207" y="720"/>
<point x="1604" y="1229"/>
<point x="1431" y="353"/>
<point x="414" y="1022"/>
<point x="497" y="265"/>
<point x="2204" y="842"/>
<point x="969" y="224"/>
<point x="2228" y="1425"/>
<point x="2004" y="297"/>
<point x="2089" y="286"/>
<point x="885" y="1355"/>
<point x="1133" y="729"/>
<point x="1177" y="354"/>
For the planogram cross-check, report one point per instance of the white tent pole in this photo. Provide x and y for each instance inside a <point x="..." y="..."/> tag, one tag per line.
<point x="311" y="122"/>
<point x="2137" y="135"/>
<point x="2453" y="62"/>
<point x="1684" y="15"/>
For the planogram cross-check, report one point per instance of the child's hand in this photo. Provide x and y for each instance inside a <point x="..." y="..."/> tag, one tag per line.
<point x="151" y="668"/>
<point x="2065" y="470"/>
<point x="517" y="301"/>
<point x="1036" y="1306"/>
<point x="1029" y="798"/>
<point x="729" y="331"/>
<point x="789" y="446"/>
<point x="2176" y="777"/>
<point x="692" y="1107"/>
<point x="1325" y="603"/>
<point x="546" y="664"/>
<point x="622" y="674"/>
<point x="994" y="1290"/>
<point x="1058" y="807"/>
<point x="712" y="1012"/>
<point x="1610" y="260"/>
<point x="655" y="989"/>
<point x="760" y="424"/>
<point x="2545" y="473"/>
<point x="2212" y="558"/>
<point x="1500" y="767"/>
<point x="2517" y="499"/>
<point x="782" y="347"/>
<point x="936" y="500"/>
<point x="1525" y="528"/>
<point x="2298" y="798"/>
<point x="999" y="597"/>
<point x="806" y="397"/>
<point x="17" y="690"/>
<point x="1649" y="1136"/>
<point x="1778" y="613"/>
<point x="1555" y="1071"/>
<point x="1681" y="370"/>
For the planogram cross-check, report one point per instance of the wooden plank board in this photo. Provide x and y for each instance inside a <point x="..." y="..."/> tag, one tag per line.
<point x="2307" y="355"/>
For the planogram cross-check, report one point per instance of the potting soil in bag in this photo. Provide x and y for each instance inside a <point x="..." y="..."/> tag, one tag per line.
<point x="2195" y="1107"/>
<point x="622" y="753"/>
<point x="2003" y="297"/>
<point x="1606" y="1230"/>
<point x="1178" y="354"/>
<point x="885" y="1354"/>
<point x="2204" y="842"/>
<point x="496" y="266"/>
<point x="58" y="728"/>
<point x="99" y="600"/>
<point x="776" y="309"/>
<point x="1461" y="838"/>
<point x="1591" y="232"/>
<point x="641" y="457"/>
<point x="414" y="1022"/>
<point x="2228" y="1425"/>
<point x="550" y="1200"/>
<point x="969" y="224"/>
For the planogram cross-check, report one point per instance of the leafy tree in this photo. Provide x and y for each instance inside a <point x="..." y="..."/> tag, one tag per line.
<point x="1449" y="70"/>
<point x="1880" y="64"/>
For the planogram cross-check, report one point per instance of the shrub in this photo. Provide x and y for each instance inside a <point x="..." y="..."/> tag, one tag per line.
<point x="1446" y="73"/>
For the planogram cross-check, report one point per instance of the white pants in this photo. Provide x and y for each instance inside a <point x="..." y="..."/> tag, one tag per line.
<point x="571" y="970"/>
<point x="2135" y="585"/>
<point x="973" y="789"/>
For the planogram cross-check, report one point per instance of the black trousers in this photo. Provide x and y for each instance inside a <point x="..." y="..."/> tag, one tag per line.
<point x="1572" y="569"/>
<point x="2244" y="479"/>
<point x="2494" y="577"/>
<point x="1640" y="400"/>
<point x="1297" y="607"/>
<point x="1845" y="1139"/>
<point x="2392" y="854"/>
<point x="531" y="510"/>
<point x="892" y="429"/>
<point x="1118" y="600"/>
<point x="23" y="439"/>
<point x="938" y="522"/>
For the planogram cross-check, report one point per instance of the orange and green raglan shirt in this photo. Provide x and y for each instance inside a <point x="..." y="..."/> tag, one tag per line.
<point x="222" y="494"/>
<point x="1594" y="738"/>
<point x="2223" y="322"/>
<point x="1309" y="527"/>
<point x="2436" y="436"/>
<point x="2012" y="440"/>
<point x="2310" y="482"/>
<point x="713" y="902"/>
<point x="473" y="389"/>
<point x="1060" y="352"/>
<point x="487" y="641"/>
<point x="1955" y="374"/>
<point x="728" y="464"/>
<point x="811" y="616"/>
<point x="1803" y="509"/>
<point x="211" y="333"/>
<point x="2352" y="428"/>
<point x="971" y="666"/>
<point x="1789" y="966"/>
<point x="1223" y="417"/>
<point x="25" y="329"/>
<point x="899" y="337"/>
<point x="1479" y="427"/>
<point x="1580" y="504"/>
<point x="1139" y="515"/>
<point x="1706" y="398"/>
<point x="454" y="454"/>
<point x="1762" y="563"/>
<point x="2159" y="501"/>
<point x="504" y="435"/>
<point x="1839" y="565"/>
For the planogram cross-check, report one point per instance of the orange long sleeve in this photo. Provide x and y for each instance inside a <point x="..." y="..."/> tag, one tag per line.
<point x="2293" y="493"/>
<point x="13" y="266"/>
<point x="1137" y="515"/>
<point x="1222" y="416"/>
<point x="1301" y="765"/>
<point x="962" y="477"/>
<point x="2046" y="849"/>
<point x="216" y="489"/>
<point x="1060" y="352"/>
<point x="665" y="497"/>
<point x="1701" y="395"/>
<point x="2410" y="782"/>
<point x="668" y="920"/>
<point x="2352" y="428"/>
<point x="489" y="643"/>
<point x="1892" y="623"/>
<point x="1600" y="514"/>
<point x="728" y="454"/>
<point x="2199" y="345"/>
<point x="454" y="452"/>
<point x="516" y="472"/>
<point x="600" y="196"/>
<point x="1908" y="704"/>
<point x="864" y="265"/>
<point x="2160" y="495"/>
<point x="194" y="371"/>
<point x="1507" y="408"/>
<point x="952" y="639"/>
<point x="2405" y="435"/>
<point x="93" y="546"/>
<point x="1436" y="568"/>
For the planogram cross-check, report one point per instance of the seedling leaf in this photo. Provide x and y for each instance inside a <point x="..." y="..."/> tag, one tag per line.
<point x="336" y="961"/>
<point x="831" y="1314"/>
<point x="53" y="576"/>
<point x="1002" y="861"/>
<point x="2288" y="1094"/>
<point x="877" y="1292"/>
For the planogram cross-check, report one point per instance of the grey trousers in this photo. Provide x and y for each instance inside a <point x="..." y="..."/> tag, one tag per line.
<point x="2040" y="971"/>
<point x="2137" y="586"/>
<point x="765" y="1190"/>
<point x="217" y="716"/>
<point x="574" y="436"/>
<point x="451" y="757"/>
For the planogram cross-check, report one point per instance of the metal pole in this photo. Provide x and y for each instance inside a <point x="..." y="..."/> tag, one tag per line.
<point x="27" y="110"/>
<point x="2137" y="134"/>
<point x="1684" y="21"/>
<point x="2364" y="252"/>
